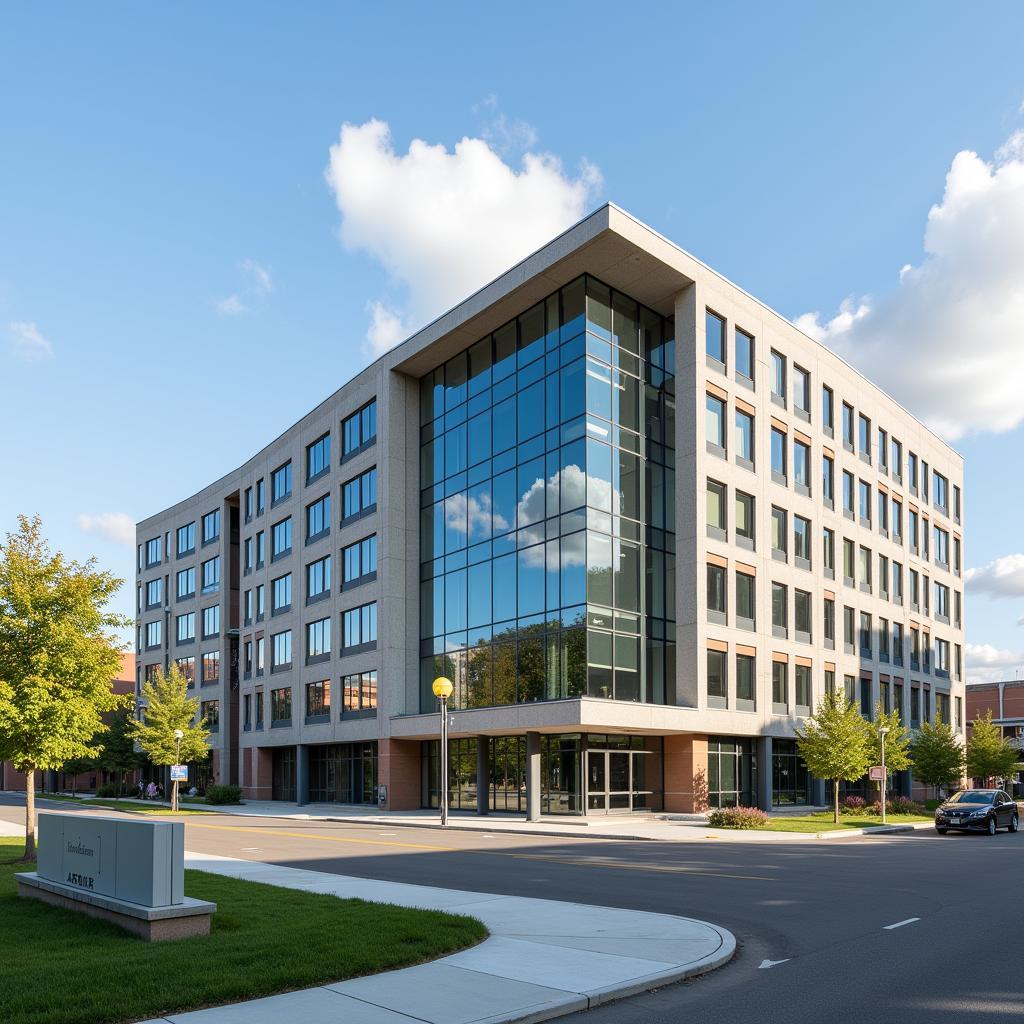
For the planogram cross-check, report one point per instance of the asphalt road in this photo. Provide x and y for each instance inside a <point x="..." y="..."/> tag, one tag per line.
<point x="822" y="911"/>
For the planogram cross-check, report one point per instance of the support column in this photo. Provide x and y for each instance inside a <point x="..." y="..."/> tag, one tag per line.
<point x="533" y="776"/>
<point x="904" y="783"/>
<point x="483" y="775"/>
<point x="302" y="774"/>
<point x="818" y="796"/>
<point x="764" y="772"/>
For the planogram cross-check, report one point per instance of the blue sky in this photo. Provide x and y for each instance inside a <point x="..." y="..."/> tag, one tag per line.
<point x="172" y="254"/>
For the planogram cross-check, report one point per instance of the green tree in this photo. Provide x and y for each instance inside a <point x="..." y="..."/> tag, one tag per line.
<point x="119" y="753"/>
<point x="77" y="766"/>
<point x="835" y="743"/>
<point x="937" y="754"/>
<point x="988" y="754"/>
<point x="169" y="709"/>
<point x="897" y="742"/>
<point x="58" y="655"/>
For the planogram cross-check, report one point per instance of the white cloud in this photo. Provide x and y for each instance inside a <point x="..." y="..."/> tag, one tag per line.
<point x="28" y="341"/>
<point x="949" y="340"/>
<point x="259" y="283"/>
<point x="502" y="133"/>
<point x="988" y="664"/>
<point x="387" y="328"/>
<point x="1002" y="578"/>
<point x="231" y="306"/>
<point x="261" y="280"/>
<point x="443" y="223"/>
<point x="116" y="526"/>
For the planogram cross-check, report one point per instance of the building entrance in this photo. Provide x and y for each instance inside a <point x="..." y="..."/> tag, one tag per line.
<point x="617" y="780"/>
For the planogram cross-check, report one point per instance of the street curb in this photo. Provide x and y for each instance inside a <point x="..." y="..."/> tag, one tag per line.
<point x="874" y="830"/>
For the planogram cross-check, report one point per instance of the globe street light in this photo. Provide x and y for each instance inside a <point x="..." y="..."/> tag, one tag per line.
<point x="883" y="732"/>
<point x="442" y="688"/>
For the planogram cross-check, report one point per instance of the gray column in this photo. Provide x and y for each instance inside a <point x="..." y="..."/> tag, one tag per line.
<point x="903" y="783"/>
<point x="302" y="774"/>
<point x="483" y="777"/>
<point x="764" y="772"/>
<point x="533" y="776"/>
<point x="819" y="792"/>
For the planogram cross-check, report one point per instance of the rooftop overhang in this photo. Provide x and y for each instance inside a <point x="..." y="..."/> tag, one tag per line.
<point x="610" y="244"/>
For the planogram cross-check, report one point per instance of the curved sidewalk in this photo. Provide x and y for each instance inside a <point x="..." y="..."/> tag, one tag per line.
<point x="542" y="958"/>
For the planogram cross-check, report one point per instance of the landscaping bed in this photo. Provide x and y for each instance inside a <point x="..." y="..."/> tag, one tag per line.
<point x="59" y="967"/>
<point x="822" y="821"/>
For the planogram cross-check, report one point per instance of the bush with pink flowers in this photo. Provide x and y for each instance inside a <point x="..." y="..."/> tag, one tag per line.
<point x="738" y="817"/>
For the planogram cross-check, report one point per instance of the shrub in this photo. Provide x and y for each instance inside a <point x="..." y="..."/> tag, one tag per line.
<point x="223" y="794"/>
<point x="852" y="805"/>
<point x="738" y="817"/>
<point x="107" y="789"/>
<point x="898" y="805"/>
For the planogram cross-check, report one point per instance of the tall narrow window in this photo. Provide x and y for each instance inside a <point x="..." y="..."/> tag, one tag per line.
<point x="714" y="337"/>
<point x="744" y="355"/>
<point x="778" y="376"/>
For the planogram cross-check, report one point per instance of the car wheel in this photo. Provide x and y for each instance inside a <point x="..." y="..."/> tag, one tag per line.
<point x="1014" y="824"/>
<point x="941" y="831"/>
<point x="991" y="826"/>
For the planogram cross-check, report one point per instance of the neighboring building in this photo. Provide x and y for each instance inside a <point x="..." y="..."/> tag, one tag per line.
<point x="1006" y="703"/>
<point x="86" y="781"/>
<point x="640" y="520"/>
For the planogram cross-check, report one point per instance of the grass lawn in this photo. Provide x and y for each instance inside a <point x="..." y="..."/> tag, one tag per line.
<point x="127" y="806"/>
<point x="822" y="822"/>
<point x="59" y="967"/>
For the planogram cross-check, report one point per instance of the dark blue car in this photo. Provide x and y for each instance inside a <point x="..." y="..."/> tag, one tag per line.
<point x="977" y="810"/>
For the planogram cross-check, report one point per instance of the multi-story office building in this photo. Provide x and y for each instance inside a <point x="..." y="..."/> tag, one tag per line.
<point x="641" y="521"/>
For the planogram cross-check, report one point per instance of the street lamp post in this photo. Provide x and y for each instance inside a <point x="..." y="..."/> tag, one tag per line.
<point x="178" y="734"/>
<point x="442" y="691"/>
<point x="883" y="732"/>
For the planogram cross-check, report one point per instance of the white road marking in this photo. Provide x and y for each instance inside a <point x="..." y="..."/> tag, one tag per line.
<point x="900" y="924"/>
<point x="765" y="964"/>
<point x="250" y="849"/>
<point x="387" y="833"/>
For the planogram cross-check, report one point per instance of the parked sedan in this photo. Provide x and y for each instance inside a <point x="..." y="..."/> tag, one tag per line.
<point x="977" y="810"/>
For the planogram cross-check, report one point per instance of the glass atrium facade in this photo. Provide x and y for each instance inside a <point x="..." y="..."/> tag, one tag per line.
<point x="547" y="523"/>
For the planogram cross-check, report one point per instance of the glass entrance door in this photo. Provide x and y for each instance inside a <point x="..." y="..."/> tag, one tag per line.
<point x="597" y="774"/>
<point x="617" y="781"/>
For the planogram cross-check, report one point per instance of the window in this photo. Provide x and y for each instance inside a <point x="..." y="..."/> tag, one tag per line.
<point x="257" y="697"/>
<point x="897" y="520"/>
<point x="716" y="593"/>
<point x="829" y="621"/>
<point x="897" y="643"/>
<point x="745" y="677"/>
<point x="746" y="604"/>
<point x="914" y="533"/>
<point x="211" y="621"/>
<point x="185" y="627"/>
<point x="186" y="583"/>
<point x="318" y="640"/>
<point x="154" y="634"/>
<point x="281" y="594"/>
<point x="248" y="504"/>
<point x="359" y="495"/>
<point x="318" y="578"/>
<point x="780" y="609"/>
<point x="745" y="518"/>
<point x="281" y="650"/>
<point x="864" y="504"/>
<point x="883" y="450"/>
<point x="154" y="593"/>
<point x="865" y="568"/>
<point x="247" y="717"/>
<point x="802" y="615"/>
<point x="896" y="449"/>
<point x="714" y="337"/>
<point x="211" y="526"/>
<point x="941" y="546"/>
<point x="247" y="562"/>
<point x="318" y="699"/>
<point x="359" y="626"/>
<point x="883" y="577"/>
<point x="261" y="496"/>
<point x="281" y="534"/>
<point x="247" y="658"/>
<point x="802" y="685"/>
<point x="942" y="601"/>
<point x="801" y="390"/>
<point x="154" y="548"/>
<point x="716" y="495"/>
<point x="261" y="603"/>
<point x="883" y="512"/>
<point x="848" y="493"/>
<point x="359" y="561"/>
<point x="924" y="480"/>
<point x="866" y="707"/>
<point x="802" y="465"/>
<point x="849" y="562"/>
<point x="744" y="436"/>
<point x="848" y="426"/>
<point x="864" y="432"/>
<point x="186" y="541"/>
<point x="716" y="678"/>
<point x="956" y="555"/>
<point x="883" y="640"/>
<point x="865" y="634"/>
<point x="187" y="667"/>
<point x="956" y="508"/>
<point x="802" y="541"/>
<point x="778" y="454"/>
<point x="912" y="471"/>
<point x="714" y="421"/>
<point x="281" y="706"/>
<point x="848" y="629"/>
<point x="318" y="457"/>
<point x="261" y="654"/>
<point x="828" y="550"/>
<point x="359" y="691"/>
<point x="261" y="549"/>
<point x="915" y="590"/>
<point x="281" y="483"/>
<point x="779" y="531"/>
<point x="828" y="472"/>
<point x="211" y="668"/>
<point x="211" y="575"/>
<point x="210" y="711"/>
<point x="318" y="518"/>
<point x="779" y="376"/>
<point x="828" y="411"/>
<point x="359" y="430"/>
<point x="745" y="355"/>
<point x="780" y="685"/>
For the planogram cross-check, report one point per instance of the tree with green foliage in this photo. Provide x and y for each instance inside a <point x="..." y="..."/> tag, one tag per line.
<point x="937" y="754"/>
<point x="78" y="766"/>
<point x="897" y="743"/>
<point x="835" y="743"/>
<point x="169" y="709"/>
<point x="989" y="755"/>
<point x="119" y="753"/>
<point x="58" y="655"/>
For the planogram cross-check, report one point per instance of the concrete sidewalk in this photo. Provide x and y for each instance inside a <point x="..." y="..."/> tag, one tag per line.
<point x="543" y="958"/>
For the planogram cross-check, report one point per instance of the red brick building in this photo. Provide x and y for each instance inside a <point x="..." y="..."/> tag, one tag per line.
<point x="86" y="781"/>
<point x="1006" y="702"/>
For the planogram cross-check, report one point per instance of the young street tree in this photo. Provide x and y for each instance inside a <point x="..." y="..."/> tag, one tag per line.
<point x="897" y="742"/>
<point x="169" y="710"/>
<point x="58" y="654"/>
<point x="835" y="743"/>
<point x="988" y="754"/>
<point x="119" y="753"/>
<point x="937" y="754"/>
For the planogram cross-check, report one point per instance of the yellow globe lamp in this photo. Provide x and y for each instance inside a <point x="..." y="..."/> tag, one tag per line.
<point x="442" y="688"/>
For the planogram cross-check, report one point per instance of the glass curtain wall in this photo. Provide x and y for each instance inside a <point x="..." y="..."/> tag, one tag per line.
<point x="344" y="773"/>
<point x="547" y="524"/>
<point x="732" y="772"/>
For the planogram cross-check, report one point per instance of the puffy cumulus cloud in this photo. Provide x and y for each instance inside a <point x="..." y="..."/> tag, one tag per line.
<point x="116" y="526"/>
<point x="232" y="305"/>
<point x="949" y="340"/>
<point x="445" y="222"/>
<point x="28" y="341"/>
<point x="1002" y="578"/>
<point x="988" y="664"/>
<point x="258" y="284"/>
<point x="387" y="328"/>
